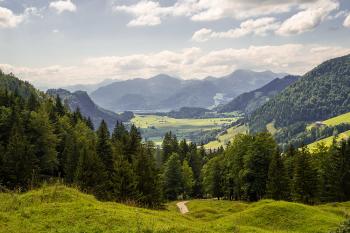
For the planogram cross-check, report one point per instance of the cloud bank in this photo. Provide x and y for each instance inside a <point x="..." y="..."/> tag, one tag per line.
<point x="187" y="63"/>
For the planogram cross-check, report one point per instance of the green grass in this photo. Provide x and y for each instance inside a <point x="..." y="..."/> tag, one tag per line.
<point x="344" y="118"/>
<point x="224" y="139"/>
<point x="62" y="209"/>
<point x="154" y="127"/>
<point x="329" y="140"/>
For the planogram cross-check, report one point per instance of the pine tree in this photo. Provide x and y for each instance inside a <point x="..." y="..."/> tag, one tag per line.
<point x="172" y="177"/>
<point x="59" y="108"/>
<point x="148" y="183"/>
<point x="104" y="147"/>
<point x="19" y="161"/>
<point x="183" y="150"/>
<point x="188" y="180"/>
<point x="305" y="181"/>
<point x="45" y="141"/>
<point x="277" y="186"/>
<point x="90" y="124"/>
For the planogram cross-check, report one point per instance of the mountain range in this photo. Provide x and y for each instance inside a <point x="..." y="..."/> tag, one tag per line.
<point x="248" y="102"/>
<point x="81" y="100"/>
<point x="164" y="93"/>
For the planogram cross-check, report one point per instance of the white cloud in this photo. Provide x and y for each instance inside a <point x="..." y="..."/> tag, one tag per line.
<point x="347" y="21"/>
<point x="63" y="5"/>
<point x="259" y="27"/>
<point x="309" y="18"/>
<point x="187" y="63"/>
<point x="150" y="13"/>
<point x="10" y="20"/>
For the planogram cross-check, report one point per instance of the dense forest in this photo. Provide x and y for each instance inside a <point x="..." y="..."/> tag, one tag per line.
<point x="320" y="94"/>
<point x="42" y="141"/>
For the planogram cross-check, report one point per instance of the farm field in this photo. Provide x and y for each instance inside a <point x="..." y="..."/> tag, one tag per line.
<point x="225" y="138"/>
<point x="61" y="209"/>
<point x="154" y="127"/>
<point x="328" y="141"/>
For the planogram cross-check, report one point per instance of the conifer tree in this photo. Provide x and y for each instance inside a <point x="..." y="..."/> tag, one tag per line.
<point x="148" y="183"/>
<point x="59" y="108"/>
<point x="277" y="186"/>
<point x="19" y="161"/>
<point x="305" y="180"/>
<point x="188" y="180"/>
<point x="104" y="147"/>
<point x="172" y="177"/>
<point x="44" y="140"/>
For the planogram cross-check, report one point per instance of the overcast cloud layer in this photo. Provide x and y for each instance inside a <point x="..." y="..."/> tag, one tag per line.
<point x="58" y="43"/>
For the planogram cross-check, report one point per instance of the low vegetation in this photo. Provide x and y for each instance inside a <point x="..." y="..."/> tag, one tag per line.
<point x="58" y="208"/>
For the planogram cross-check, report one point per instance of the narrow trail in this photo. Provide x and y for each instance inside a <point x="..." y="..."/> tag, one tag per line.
<point x="182" y="207"/>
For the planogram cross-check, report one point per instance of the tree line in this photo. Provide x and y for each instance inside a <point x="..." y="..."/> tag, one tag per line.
<point x="252" y="168"/>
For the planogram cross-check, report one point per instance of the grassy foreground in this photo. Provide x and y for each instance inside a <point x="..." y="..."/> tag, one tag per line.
<point x="62" y="209"/>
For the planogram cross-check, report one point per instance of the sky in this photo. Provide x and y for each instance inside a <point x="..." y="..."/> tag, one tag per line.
<point x="54" y="43"/>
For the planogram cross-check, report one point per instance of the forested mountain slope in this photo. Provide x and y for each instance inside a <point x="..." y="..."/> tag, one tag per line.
<point x="322" y="93"/>
<point x="81" y="100"/>
<point x="250" y="101"/>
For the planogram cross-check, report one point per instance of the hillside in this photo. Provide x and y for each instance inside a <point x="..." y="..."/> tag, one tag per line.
<point x="320" y="94"/>
<point x="164" y="93"/>
<point x="88" y="108"/>
<point x="61" y="209"/>
<point x="250" y="101"/>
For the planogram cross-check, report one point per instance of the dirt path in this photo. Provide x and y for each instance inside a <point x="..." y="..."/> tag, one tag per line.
<point x="182" y="207"/>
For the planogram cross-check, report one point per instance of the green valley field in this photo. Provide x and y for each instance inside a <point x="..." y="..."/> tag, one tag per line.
<point x="62" y="209"/>
<point x="154" y="127"/>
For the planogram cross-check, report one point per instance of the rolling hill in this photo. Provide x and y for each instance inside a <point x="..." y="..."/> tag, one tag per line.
<point x="88" y="108"/>
<point x="250" y="101"/>
<point x="320" y="94"/>
<point x="61" y="209"/>
<point x="165" y="93"/>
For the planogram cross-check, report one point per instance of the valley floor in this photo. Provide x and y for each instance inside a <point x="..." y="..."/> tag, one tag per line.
<point x="62" y="209"/>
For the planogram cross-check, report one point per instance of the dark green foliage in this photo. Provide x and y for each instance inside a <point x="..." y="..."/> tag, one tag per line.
<point x="41" y="140"/>
<point x="320" y="94"/>
<point x="277" y="186"/>
<point x="305" y="180"/>
<point x="172" y="177"/>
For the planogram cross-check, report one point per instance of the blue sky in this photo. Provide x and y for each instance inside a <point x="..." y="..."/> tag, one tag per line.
<point x="57" y="43"/>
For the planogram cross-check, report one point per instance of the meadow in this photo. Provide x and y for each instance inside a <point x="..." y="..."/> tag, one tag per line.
<point x="58" y="208"/>
<point x="154" y="127"/>
<point x="224" y="138"/>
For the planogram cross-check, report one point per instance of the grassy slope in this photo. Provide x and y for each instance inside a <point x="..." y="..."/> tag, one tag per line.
<point x="61" y="209"/>
<point x="224" y="139"/>
<point x="328" y="141"/>
<point x="344" y="118"/>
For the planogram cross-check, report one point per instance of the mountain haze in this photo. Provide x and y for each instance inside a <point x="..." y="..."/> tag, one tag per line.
<point x="163" y="92"/>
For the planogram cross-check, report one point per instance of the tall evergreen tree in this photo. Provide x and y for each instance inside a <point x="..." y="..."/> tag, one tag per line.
<point x="188" y="179"/>
<point x="305" y="180"/>
<point x="277" y="186"/>
<point x="172" y="177"/>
